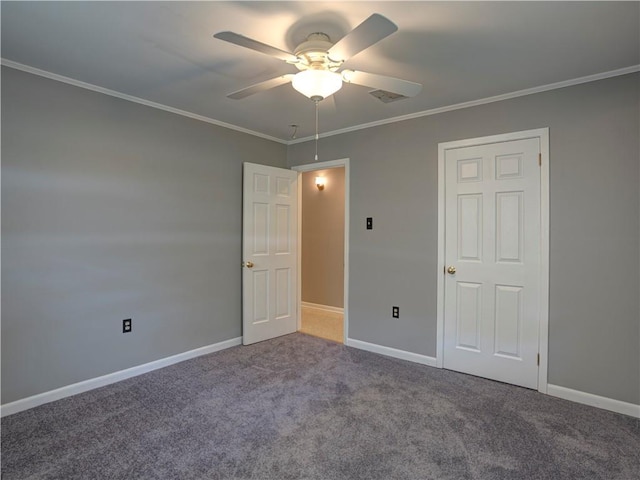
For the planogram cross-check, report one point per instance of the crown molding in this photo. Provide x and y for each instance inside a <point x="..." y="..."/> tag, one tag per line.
<point x="131" y="98"/>
<point x="424" y="113"/>
<point x="475" y="103"/>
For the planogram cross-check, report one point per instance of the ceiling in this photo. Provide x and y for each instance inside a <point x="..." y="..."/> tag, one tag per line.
<point x="164" y="52"/>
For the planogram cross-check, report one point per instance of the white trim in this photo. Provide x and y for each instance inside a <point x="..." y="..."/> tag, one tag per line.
<point x="131" y="98"/>
<point x="324" y="308"/>
<point x="391" y="352"/>
<point x="299" y="259"/>
<point x="86" y="385"/>
<point x="592" y="400"/>
<point x="543" y="332"/>
<point x="577" y="396"/>
<point x="310" y="167"/>
<point x="440" y="262"/>
<point x="501" y="137"/>
<point x="475" y="103"/>
<point x="543" y="135"/>
<point x="424" y="113"/>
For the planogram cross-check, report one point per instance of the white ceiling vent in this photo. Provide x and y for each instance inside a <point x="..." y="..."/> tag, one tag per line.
<point x="387" y="97"/>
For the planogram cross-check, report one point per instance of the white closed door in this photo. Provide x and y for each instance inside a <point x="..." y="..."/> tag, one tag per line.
<point x="492" y="261"/>
<point x="269" y="249"/>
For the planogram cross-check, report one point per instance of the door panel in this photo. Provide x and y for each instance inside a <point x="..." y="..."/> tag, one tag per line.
<point x="469" y="315"/>
<point x="260" y="229"/>
<point x="509" y="227"/>
<point x="470" y="227"/>
<point x="269" y="279"/>
<point x="260" y="279"/>
<point x="508" y="320"/>
<point x="492" y="239"/>
<point x="283" y="292"/>
<point x="283" y="226"/>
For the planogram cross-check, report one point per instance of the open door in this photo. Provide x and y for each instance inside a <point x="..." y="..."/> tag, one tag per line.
<point x="270" y="252"/>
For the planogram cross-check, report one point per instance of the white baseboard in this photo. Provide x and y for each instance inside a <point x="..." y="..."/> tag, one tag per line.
<point x="92" y="383"/>
<point x="326" y="308"/>
<point x="594" y="400"/>
<point x="590" y="399"/>
<point x="392" y="352"/>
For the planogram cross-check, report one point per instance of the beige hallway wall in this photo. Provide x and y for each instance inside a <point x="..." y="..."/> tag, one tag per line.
<point x="323" y="238"/>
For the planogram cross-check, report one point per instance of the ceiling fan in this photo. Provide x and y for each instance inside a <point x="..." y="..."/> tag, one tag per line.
<point x="320" y="62"/>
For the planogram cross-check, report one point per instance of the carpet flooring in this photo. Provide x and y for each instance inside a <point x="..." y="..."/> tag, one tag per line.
<point x="299" y="407"/>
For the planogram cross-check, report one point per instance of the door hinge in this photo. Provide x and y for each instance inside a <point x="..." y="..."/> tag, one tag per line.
<point x="538" y="359"/>
<point x="540" y="159"/>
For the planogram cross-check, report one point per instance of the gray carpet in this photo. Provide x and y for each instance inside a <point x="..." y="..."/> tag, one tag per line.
<point x="299" y="407"/>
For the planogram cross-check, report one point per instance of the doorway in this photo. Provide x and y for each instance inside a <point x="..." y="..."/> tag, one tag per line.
<point x="493" y="257"/>
<point x="323" y="252"/>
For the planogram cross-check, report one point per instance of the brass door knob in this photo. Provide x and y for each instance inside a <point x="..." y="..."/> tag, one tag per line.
<point x="248" y="264"/>
<point x="451" y="270"/>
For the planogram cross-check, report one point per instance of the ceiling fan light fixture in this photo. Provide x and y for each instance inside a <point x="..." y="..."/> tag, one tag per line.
<point x="317" y="84"/>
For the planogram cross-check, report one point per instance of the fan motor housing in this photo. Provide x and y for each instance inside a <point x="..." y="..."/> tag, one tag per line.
<point x="313" y="53"/>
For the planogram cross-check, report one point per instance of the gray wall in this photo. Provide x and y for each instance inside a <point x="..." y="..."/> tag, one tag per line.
<point x="114" y="210"/>
<point x="323" y="238"/>
<point x="594" y="314"/>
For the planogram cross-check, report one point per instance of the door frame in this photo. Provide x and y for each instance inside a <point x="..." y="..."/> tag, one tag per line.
<point x="310" y="167"/>
<point x="543" y="321"/>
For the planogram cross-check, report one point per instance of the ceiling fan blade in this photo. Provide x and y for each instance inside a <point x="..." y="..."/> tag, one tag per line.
<point x="247" y="42"/>
<point x="371" y="31"/>
<point x="261" y="87"/>
<point x="382" y="82"/>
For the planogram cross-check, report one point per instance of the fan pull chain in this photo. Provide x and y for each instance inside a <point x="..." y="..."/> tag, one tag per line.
<point x="316" y="158"/>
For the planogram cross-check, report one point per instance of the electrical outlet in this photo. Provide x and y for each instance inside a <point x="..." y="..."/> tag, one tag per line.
<point x="369" y="223"/>
<point x="395" y="312"/>
<point x="126" y="325"/>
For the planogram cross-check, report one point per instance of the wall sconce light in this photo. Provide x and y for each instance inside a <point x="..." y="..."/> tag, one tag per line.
<point x="320" y="183"/>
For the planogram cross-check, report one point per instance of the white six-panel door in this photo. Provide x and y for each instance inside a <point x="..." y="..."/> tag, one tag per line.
<point x="269" y="248"/>
<point x="492" y="258"/>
